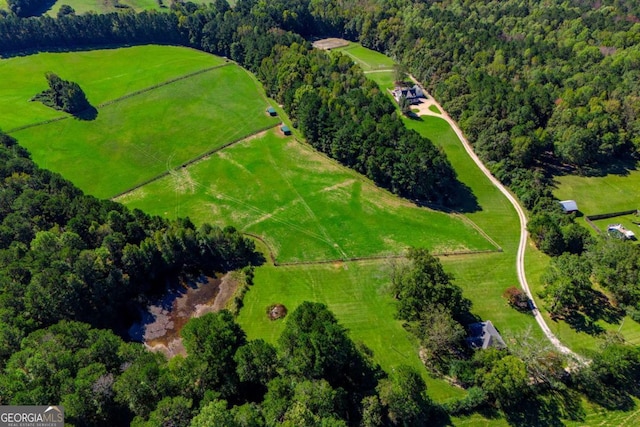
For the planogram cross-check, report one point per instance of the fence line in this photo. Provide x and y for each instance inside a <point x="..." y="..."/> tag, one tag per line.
<point x="590" y="218"/>
<point x="275" y="262"/>
<point x="191" y="161"/>
<point x="122" y="98"/>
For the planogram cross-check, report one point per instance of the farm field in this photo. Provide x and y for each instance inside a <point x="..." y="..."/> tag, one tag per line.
<point x="304" y="205"/>
<point x="597" y="195"/>
<point x="485" y="285"/>
<point x="104" y="75"/>
<point x="99" y="6"/>
<point x="140" y="137"/>
<point x="368" y="59"/>
<point x="484" y="277"/>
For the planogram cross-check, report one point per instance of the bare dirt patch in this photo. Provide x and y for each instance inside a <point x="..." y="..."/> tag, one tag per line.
<point x="276" y="311"/>
<point x="330" y="43"/>
<point x="183" y="181"/>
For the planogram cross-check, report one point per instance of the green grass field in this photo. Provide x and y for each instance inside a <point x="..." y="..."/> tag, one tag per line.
<point x="483" y="277"/>
<point x="105" y="6"/>
<point x="145" y="135"/>
<point x="304" y="205"/>
<point x="597" y="195"/>
<point x="367" y="59"/>
<point x="103" y="74"/>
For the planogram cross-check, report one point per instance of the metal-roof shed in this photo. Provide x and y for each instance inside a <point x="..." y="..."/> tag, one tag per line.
<point x="569" y="206"/>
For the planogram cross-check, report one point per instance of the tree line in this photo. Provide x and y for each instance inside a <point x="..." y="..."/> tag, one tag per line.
<point x="314" y="376"/>
<point x="68" y="256"/>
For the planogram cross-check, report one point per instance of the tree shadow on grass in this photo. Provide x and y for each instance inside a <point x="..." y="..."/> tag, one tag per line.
<point x="620" y="167"/>
<point x="88" y="114"/>
<point x="42" y="8"/>
<point x="545" y="410"/>
<point x="463" y="200"/>
<point x="598" y="308"/>
<point x="607" y="396"/>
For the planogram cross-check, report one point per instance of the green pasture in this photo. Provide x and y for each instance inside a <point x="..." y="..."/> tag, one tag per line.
<point x="614" y="192"/>
<point x="304" y="205"/>
<point x="367" y="58"/>
<point x="106" y="6"/>
<point x="356" y="292"/>
<point x="104" y="75"/>
<point x="145" y="135"/>
<point x="483" y="277"/>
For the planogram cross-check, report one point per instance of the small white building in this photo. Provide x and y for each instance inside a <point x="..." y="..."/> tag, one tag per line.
<point x="569" y="206"/>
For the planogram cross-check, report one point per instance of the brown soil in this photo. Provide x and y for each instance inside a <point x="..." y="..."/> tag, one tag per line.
<point x="330" y="43"/>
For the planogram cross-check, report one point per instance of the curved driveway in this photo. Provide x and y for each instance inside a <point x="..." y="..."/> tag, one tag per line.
<point x="522" y="278"/>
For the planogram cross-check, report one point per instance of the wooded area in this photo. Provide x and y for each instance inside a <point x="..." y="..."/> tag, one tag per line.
<point x="534" y="86"/>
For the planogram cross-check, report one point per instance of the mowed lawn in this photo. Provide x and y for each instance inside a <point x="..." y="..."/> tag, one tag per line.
<point x="145" y="135"/>
<point x="598" y="195"/>
<point x="103" y="74"/>
<point x="367" y="59"/>
<point x="304" y="205"/>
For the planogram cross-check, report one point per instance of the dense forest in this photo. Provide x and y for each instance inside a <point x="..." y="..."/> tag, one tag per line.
<point x="67" y="256"/>
<point x="538" y="87"/>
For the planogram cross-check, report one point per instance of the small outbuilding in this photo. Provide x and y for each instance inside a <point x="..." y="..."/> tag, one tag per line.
<point x="484" y="335"/>
<point x="620" y="232"/>
<point x="569" y="206"/>
<point x="272" y="111"/>
<point x="285" y="130"/>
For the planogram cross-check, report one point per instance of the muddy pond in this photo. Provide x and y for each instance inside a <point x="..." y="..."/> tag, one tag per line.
<point x="160" y="324"/>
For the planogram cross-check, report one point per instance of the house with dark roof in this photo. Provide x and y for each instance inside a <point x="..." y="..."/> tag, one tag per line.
<point x="484" y="335"/>
<point x="413" y="94"/>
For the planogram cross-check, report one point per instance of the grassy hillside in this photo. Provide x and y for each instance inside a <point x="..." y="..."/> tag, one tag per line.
<point x="103" y="74"/>
<point x="304" y="205"/>
<point x="137" y="138"/>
